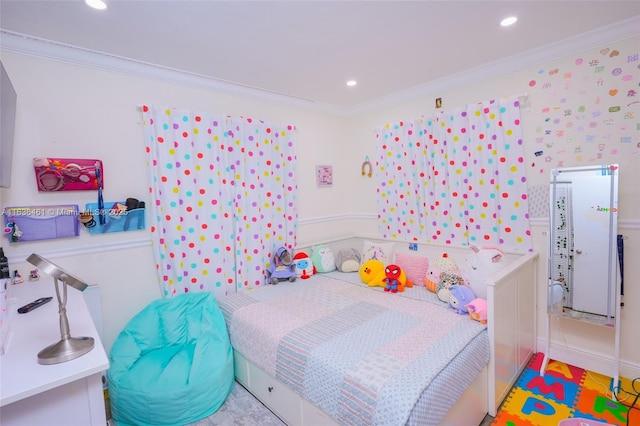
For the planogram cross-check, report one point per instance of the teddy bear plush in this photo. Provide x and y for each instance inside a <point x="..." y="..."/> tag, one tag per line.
<point x="348" y="260"/>
<point x="445" y="283"/>
<point x="395" y="279"/>
<point x="323" y="259"/>
<point x="372" y="273"/>
<point x="478" y="310"/>
<point x="303" y="266"/>
<point x="461" y="296"/>
<point x="436" y="267"/>
<point x="282" y="268"/>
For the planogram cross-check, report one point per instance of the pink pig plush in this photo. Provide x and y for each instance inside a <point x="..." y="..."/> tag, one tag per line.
<point x="478" y="310"/>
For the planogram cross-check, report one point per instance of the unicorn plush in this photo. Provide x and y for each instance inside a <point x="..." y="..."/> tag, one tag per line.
<point x="479" y="266"/>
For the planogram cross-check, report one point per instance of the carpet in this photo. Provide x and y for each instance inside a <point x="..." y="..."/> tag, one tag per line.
<point x="241" y="409"/>
<point x="566" y="391"/>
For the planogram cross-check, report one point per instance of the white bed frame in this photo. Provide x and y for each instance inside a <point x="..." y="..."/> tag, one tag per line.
<point x="511" y="326"/>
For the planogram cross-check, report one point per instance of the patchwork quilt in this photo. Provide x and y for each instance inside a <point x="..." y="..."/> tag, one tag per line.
<point x="364" y="356"/>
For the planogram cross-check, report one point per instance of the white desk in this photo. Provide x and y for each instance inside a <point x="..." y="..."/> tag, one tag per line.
<point x="65" y="394"/>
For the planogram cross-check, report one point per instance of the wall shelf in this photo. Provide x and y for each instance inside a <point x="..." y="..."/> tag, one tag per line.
<point x="116" y="221"/>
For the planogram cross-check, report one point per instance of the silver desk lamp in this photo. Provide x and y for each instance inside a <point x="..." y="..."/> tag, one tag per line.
<point x="68" y="347"/>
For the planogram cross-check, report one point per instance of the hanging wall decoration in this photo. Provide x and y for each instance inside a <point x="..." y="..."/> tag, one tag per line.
<point x="66" y="174"/>
<point x="324" y="176"/>
<point x="366" y="167"/>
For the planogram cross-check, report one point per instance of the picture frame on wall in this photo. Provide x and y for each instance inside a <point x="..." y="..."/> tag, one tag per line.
<point x="324" y="176"/>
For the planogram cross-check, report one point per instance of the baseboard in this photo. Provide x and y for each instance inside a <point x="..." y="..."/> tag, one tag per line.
<point x="592" y="361"/>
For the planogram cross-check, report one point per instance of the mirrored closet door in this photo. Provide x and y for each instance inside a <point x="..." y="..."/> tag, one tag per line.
<point x="583" y="243"/>
<point x="583" y="273"/>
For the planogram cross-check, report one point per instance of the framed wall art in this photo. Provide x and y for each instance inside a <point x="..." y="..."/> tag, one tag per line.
<point x="324" y="176"/>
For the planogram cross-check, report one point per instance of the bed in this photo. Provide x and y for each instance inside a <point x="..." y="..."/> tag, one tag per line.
<point x="331" y="350"/>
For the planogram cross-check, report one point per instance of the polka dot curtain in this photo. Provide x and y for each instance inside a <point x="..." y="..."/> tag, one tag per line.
<point x="455" y="178"/>
<point x="223" y="198"/>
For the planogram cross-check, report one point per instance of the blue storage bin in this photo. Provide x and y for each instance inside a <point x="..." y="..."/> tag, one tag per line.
<point x="131" y="220"/>
<point x="43" y="222"/>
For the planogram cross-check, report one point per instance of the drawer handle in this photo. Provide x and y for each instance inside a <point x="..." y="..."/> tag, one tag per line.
<point x="270" y="388"/>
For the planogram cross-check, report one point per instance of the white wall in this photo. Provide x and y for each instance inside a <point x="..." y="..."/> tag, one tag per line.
<point x="70" y="111"/>
<point x="66" y="110"/>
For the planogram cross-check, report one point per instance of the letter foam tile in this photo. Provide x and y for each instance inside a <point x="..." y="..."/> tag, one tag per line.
<point x="596" y="406"/>
<point x="564" y="392"/>
<point x="550" y="387"/>
<point x="508" y="419"/>
<point x="533" y="408"/>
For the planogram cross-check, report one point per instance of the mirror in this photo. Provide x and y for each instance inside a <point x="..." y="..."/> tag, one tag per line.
<point x="583" y="272"/>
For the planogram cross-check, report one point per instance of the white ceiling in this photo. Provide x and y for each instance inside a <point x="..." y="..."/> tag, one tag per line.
<point x="309" y="49"/>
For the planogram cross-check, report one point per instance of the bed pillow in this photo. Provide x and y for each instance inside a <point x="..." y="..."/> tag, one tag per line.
<point x="415" y="267"/>
<point x="378" y="251"/>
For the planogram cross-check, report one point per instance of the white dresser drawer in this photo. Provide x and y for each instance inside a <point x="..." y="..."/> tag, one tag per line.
<point x="283" y="401"/>
<point x="313" y="416"/>
<point x="241" y="368"/>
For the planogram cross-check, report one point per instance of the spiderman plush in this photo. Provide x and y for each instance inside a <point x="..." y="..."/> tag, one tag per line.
<point x="392" y="280"/>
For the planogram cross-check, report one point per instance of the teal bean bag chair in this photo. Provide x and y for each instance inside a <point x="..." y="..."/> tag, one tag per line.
<point x="172" y="364"/>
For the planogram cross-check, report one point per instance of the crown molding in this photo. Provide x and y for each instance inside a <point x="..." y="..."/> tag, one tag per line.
<point x="46" y="49"/>
<point x="28" y="45"/>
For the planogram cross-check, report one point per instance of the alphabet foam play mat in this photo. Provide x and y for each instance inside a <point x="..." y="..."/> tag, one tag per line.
<point x="567" y="394"/>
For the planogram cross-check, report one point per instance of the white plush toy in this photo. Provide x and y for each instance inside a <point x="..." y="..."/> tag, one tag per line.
<point x="304" y="268"/>
<point x="479" y="266"/>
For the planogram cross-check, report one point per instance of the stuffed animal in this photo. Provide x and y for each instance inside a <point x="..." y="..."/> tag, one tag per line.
<point x="282" y="268"/>
<point x="303" y="266"/>
<point x="461" y="296"/>
<point x="477" y="310"/>
<point x="372" y="273"/>
<point x="323" y="259"/>
<point x="395" y="279"/>
<point x="348" y="260"/>
<point x="445" y="283"/>
<point x="438" y="266"/>
<point x="480" y="265"/>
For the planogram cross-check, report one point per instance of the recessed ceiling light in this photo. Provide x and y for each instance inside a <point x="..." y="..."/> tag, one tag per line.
<point x="351" y="83"/>
<point x="508" y="21"/>
<point x="96" y="4"/>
